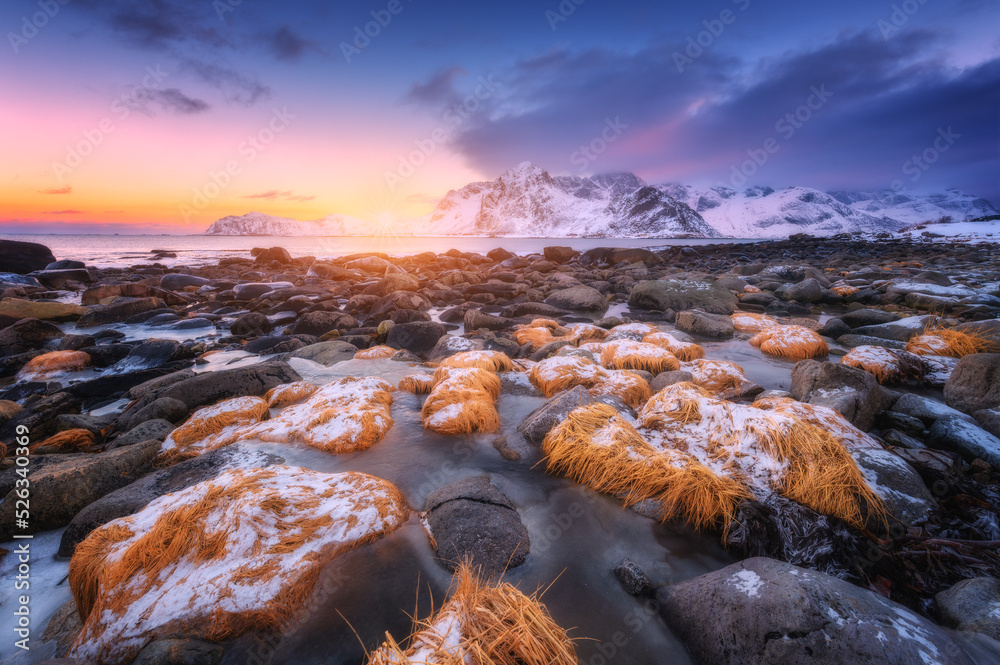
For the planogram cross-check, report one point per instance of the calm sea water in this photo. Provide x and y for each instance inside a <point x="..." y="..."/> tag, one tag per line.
<point x="124" y="250"/>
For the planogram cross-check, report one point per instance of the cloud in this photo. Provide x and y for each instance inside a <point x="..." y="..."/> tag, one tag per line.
<point x="239" y="88"/>
<point x="285" y="44"/>
<point x="159" y="24"/>
<point x="275" y="194"/>
<point x="62" y="212"/>
<point x="60" y="190"/>
<point x="169" y="99"/>
<point x="888" y="100"/>
<point x="438" y="90"/>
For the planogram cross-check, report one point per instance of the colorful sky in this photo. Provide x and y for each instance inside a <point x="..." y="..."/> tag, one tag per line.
<point x="164" y="115"/>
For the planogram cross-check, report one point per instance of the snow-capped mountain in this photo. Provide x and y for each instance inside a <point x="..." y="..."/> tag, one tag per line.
<point x="762" y="212"/>
<point x="917" y="209"/>
<point x="259" y="224"/>
<point x="528" y="202"/>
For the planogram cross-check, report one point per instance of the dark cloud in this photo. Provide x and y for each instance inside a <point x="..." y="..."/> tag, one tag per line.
<point x="275" y="194"/>
<point x="285" y="44"/>
<point x="169" y="99"/>
<point x="887" y="100"/>
<point x="159" y="23"/>
<point x="60" y="190"/>
<point x="438" y="90"/>
<point x="239" y="88"/>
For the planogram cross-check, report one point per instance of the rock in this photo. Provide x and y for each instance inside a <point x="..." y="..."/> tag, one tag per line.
<point x="398" y="300"/>
<point x="852" y="340"/>
<point x="533" y="309"/>
<point x="27" y="335"/>
<point x="851" y="392"/>
<point x="834" y="328"/>
<point x="39" y="417"/>
<point x="57" y="279"/>
<point x="664" y="379"/>
<point x="761" y="611"/>
<point x="972" y="604"/>
<point x="252" y="290"/>
<point x="332" y="272"/>
<point x="166" y="408"/>
<point x="62" y="629"/>
<point x="62" y="489"/>
<point x="900" y="421"/>
<point x="578" y="299"/>
<point x="133" y="497"/>
<point x="541" y="420"/>
<point x="279" y="254"/>
<point x="475" y="320"/>
<point x="926" y="409"/>
<point x="989" y="420"/>
<point x="117" y="311"/>
<point x="901" y="330"/>
<point x="974" y="383"/>
<point x="320" y="323"/>
<point x="24" y="257"/>
<point x="417" y="336"/>
<point x="176" y="281"/>
<point x="678" y="295"/>
<point x="251" y="323"/>
<point x="989" y="329"/>
<point x="559" y="254"/>
<point x="505" y="450"/>
<point x="212" y="387"/>
<point x="499" y="254"/>
<point x="449" y="345"/>
<point x="374" y="264"/>
<point x="473" y="520"/>
<point x="632" y="578"/>
<point x="274" y="344"/>
<point x="45" y="311"/>
<point x="155" y="429"/>
<point x="965" y="438"/>
<point x="151" y="353"/>
<point x="808" y="290"/>
<point x="327" y="353"/>
<point x="906" y="497"/>
<point x="113" y="385"/>
<point x="65" y="661"/>
<point x="517" y="383"/>
<point x="704" y="324"/>
<point x="179" y="651"/>
<point x="611" y="256"/>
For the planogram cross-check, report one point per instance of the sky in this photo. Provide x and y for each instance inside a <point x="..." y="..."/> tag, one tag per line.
<point x="163" y="116"/>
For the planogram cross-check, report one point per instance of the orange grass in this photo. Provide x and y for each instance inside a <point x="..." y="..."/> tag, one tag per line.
<point x="47" y="365"/>
<point x="195" y="436"/>
<point x="462" y="401"/>
<point x="494" y="361"/>
<point x="949" y="342"/>
<point x="886" y="365"/>
<point x="749" y="322"/>
<point x="844" y="290"/>
<point x="716" y="375"/>
<point x="289" y="393"/>
<point x="558" y="373"/>
<point x="626" y="354"/>
<point x="683" y="351"/>
<point x="482" y="624"/>
<point x="376" y="353"/>
<point x="418" y="384"/>
<point x="75" y="440"/>
<point x="795" y="342"/>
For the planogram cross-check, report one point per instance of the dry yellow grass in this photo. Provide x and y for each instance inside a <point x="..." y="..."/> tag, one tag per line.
<point x="949" y="342"/>
<point x="886" y="365"/>
<point x="795" y="342"/>
<point x="716" y="375"/>
<point x="194" y="436"/>
<point x="48" y="365"/>
<point x="844" y="290"/>
<point x="482" y="624"/>
<point x="418" y="384"/>
<point x="493" y="361"/>
<point x="289" y="393"/>
<point x="376" y="353"/>
<point x="558" y="373"/>
<point x="683" y="351"/>
<point x="75" y="440"/>
<point x="626" y="354"/>
<point x="749" y="322"/>
<point x="462" y="401"/>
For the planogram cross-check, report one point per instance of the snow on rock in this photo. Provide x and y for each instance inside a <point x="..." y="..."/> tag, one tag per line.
<point x="231" y="554"/>
<point x="260" y="224"/>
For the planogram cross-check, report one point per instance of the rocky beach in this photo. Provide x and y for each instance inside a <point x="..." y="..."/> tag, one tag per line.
<point x="783" y="451"/>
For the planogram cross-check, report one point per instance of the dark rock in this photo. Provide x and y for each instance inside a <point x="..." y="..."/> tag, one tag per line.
<point x="279" y="254"/>
<point x="327" y="353"/>
<point x="632" y="578"/>
<point x="906" y="497"/>
<point x="473" y="520"/>
<point x="704" y="324"/>
<point x="926" y="409"/>
<point x="417" y="337"/>
<point x="176" y="281"/>
<point x="610" y="256"/>
<point x="252" y="290"/>
<point x="974" y="383"/>
<point x="63" y="489"/>
<point x="166" y="408"/>
<point x="989" y="420"/>
<point x="23" y="257"/>
<point x="901" y="330"/>
<point x="972" y="605"/>
<point x="28" y="335"/>
<point x="449" y="345"/>
<point x="761" y="611"/>
<point x="852" y="340"/>
<point x="499" y="254"/>
<point x="76" y="342"/>
<point x="902" y="422"/>
<point x="274" y="344"/>
<point x="332" y="272"/>
<point x="211" y="387"/>
<point x="62" y="629"/>
<point x="150" y="430"/>
<point x="834" y="328"/>
<point x="119" y="310"/>
<point x="134" y="496"/>
<point x="397" y="300"/>
<point x="559" y="254"/>
<point x="852" y="392"/>
<point x="251" y="323"/>
<point x="868" y="317"/>
<point x="39" y="418"/>
<point x="544" y="418"/>
<point x="65" y="264"/>
<point x="808" y="290"/>
<point x="678" y="295"/>
<point x="152" y="353"/>
<point x="179" y="651"/>
<point x="578" y="299"/>
<point x="664" y="379"/>
<point x="965" y="438"/>
<point x="113" y="385"/>
<point x="475" y="320"/>
<point x="549" y="349"/>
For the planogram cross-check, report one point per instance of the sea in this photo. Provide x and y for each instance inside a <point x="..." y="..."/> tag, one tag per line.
<point x="105" y="251"/>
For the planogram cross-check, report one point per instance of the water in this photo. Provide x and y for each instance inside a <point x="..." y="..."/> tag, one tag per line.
<point x="103" y="251"/>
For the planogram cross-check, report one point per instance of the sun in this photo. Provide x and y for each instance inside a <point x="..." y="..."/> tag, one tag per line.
<point x="384" y="219"/>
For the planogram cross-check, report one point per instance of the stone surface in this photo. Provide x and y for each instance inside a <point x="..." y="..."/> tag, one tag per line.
<point x="906" y="497"/>
<point x="578" y="299"/>
<point x="326" y="353"/>
<point x="900" y="330"/>
<point x="46" y="311"/>
<point x="154" y="429"/>
<point x="212" y="387"/>
<point x="28" y="335"/>
<point x="927" y="409"/>
<point x="119" y="310"/>
<point x="808" y="291"/>
<point x="965" y="438"/>
<point x="679" y="295"/>
<point x="704" y="324"/>
<point x="541" y="420"/>
<point x="24" y="257"/>
<point x="974" y="383"/>
<point x="417" y="336"/>
<point x="320" y="323"/>
<point x="972" y="604"/>
<point x="851" y="392"/>
<point x="251" y="323"/>
<point x="632" y="578"/>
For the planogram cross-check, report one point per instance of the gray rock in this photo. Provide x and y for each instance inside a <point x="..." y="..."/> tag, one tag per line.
<point x="926" y="409"/>
<point x="27" y="335"/>
<point x="416" y="336"/>
<point x="473" y="520"/>
<point x="549" y="349"/>
<point x="274" y="344"/>
<point x="900" y="421"/>
<point x="761" y="612"/>
<point x="149" y="354"/>
<point x="989" y="420"/>
<point x="252" y="290"/>
<point x="835" y="328"/>
<point x="965" y="438"/>
<point x="251" y="323"/>
<point x="808" y="290"/>
<point x="974" y="383"/>
<point x="150" y="430"/>
<point x="212" y="387"/>
<point x="632" y="578"/>
<point x="578" y="299"/>
<point x="181" y="651"/>
<point x="134" y="496"/>
<point x="117" y="311"/>
<point x="517" y="383"/>
<point x="165" y="408"/>
<point x="678" y="295"/>
<point x="901" y="330"/>
<point x="541" y="420"/>
<point x="989" y="329"/>
<point x="326" y="353"/>
<point x="704" y="324"/>
<point x="851" y="392"/>
<point x="62" y="489"/>
<point x="664" y="379"/>
<point x="449" y="345"/>
<point x="176" y="281"/>
<point x="852" y="340"/>
<point x="906" y="497"/>
<point x="972" y="604"/>
<point x="475" y="320"/>
<point x="320" y="323"/>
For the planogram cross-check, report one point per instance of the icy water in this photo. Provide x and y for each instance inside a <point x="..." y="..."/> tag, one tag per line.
<point x="103" y="251"/>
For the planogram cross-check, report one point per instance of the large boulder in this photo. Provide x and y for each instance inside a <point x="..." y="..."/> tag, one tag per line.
<point x="610" y="256"/>
<point x="972" y="604"/>
<point x="279" y="254"/>
<point x="46" y="311"/>
<point x="151" y="353"/>
<point x="416" y="336"/>
<point x="965" y="438"/>
<point x="62" y="489"/>
<point x="27" y="335"/>
<point x="762" y="611"/>
<point x="449" y="345"/>
<point x="320" y="323"/>
<point x="906" y="497"/>
<point x="180" y="651"/>
<point x="927" y="409"/>
<point x="578" y="299"/>
<point x="901" y="330"/>
<point x="147" y="430"/>
<point x="868" y="317"/>
<point x="544" y="418"/>
<point x="475" y="319"/>
<point x="678" y="295"/>
<point x="704" y="324"/>
<point x="397" y="300"/>
<point x="176" y="281"/>
<point x="119" y="310"/>
<point x="251" y="323"/>
<point x="24" y="257"/>
<point x="133" y="497"/>
<point x="808" y="290"/>
<point x="327" y="353"/>
<point x="471" y="520"/>
<point x="559" y="254"/>
<point x="974" y="383"/>
<point x="212" y="387"/>
<point x="851" y="392"/>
